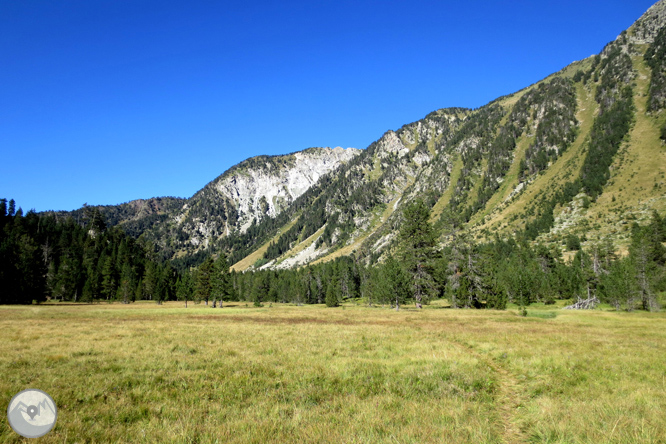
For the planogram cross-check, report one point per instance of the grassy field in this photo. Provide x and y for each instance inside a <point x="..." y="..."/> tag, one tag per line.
<point x="148" y="373"/>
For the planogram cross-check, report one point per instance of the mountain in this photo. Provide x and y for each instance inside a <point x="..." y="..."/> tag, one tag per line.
<point x="580" y="153"/>
<point x="576" y="154"/>
<point x="256" y="188"/>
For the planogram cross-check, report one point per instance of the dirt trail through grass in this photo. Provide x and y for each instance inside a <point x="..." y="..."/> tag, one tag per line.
<point x="508" y="398"/>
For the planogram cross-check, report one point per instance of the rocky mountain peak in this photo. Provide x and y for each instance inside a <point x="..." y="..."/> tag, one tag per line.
<point x="390" y="144"/>
<point x="259" y="192"/>
<point x="645" y="29"/>
<point x="258" y="187"/>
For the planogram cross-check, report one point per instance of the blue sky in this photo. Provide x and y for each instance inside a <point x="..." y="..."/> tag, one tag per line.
<point x="108" y="101"/>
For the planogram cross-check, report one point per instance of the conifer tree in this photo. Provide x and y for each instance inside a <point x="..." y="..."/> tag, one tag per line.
<point x="150" y="281"/>
<point x="108" y="278"/>
<point x="617" y="287"/>
<point x="203" y="282"/>
<point x="333" y="288"/>
<point x="138" y="291"/>
<point x="221" y="285"/>
<point x="184" y="287"/>
<point x="640" y="253"/>
<point x="418" y="241"/>
<point x="394" y="283"/>
<point x="522" y="278"/>
<point x="260" y="289"/>
<point x="332" y="294"/>
<point x="126" y="287"/>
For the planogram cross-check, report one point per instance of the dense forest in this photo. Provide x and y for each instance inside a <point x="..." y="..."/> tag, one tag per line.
<point x="42" y="258"/>
<point x="473" y="275"/>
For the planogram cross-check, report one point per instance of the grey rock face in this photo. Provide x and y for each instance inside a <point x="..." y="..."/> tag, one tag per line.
<point x="645" y="29"/>
<point x="266" y="192"/>
<point x="252" y="190"/>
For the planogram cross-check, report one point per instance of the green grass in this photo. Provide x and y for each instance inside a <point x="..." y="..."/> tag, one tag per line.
<point x="148" y="373"/>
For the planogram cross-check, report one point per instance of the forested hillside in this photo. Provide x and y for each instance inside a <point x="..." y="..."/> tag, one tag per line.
<point x="45" y="258"/>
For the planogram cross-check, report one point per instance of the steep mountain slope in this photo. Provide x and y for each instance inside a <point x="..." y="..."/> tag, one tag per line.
<point x="257" y="188"/>
<point x="577" y="153"/>
<point x="358" y="199"/>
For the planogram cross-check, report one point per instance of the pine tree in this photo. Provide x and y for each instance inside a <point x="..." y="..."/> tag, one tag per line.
<point x="332" y="298"/>
<point x="150" y="280"/>
<point x="109" y="284"/>
<point x="184" y="288"/>
<point x="521" y="277"/>
<point x="127" y="285"/>
<point x="617" y="287"/>
<point x="640" y="253"/>
<point x="138" y="291"/>
<point x="332" y="294"/>
<point x="418" y="242"/>
<point x="394" y="283"/>
<point x="221" y="285"/>
<point x="202" y="283"/>
<point x="260" y="289"/>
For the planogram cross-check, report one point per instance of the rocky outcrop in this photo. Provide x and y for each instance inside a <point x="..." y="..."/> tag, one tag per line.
<point x="266" y="191"/>
<point x="645" y="29"/>
<point x="256" y="188"/>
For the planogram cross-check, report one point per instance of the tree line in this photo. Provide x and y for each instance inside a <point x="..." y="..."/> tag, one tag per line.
<point x="468" y="274"/>
<point x="44" y="258"/>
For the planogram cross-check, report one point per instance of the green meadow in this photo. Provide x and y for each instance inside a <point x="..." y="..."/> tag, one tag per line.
<point x="354" y="374"/>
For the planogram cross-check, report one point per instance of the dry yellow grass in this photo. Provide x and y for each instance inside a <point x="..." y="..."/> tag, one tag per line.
<point x="148" y="373"/>
<point x="257" y="254"/>
<point x="444" y="200"/>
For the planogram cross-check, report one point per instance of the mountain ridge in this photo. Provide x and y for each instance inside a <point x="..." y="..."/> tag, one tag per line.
<point x="568" y="155"/>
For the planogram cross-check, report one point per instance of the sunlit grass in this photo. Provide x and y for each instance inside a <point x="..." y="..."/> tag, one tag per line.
<point x="148" y="373"/>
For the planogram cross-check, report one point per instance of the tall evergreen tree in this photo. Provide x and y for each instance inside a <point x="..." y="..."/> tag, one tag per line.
<point x="394" y="283"/>
<point x="203" y="286"/>
<point x="641" y="254"/>
<point x="127" y="284"/>
<point x="333" y="288"/>
<point x="109" y="283"/>
<point x="260" y="288"/>
<point x="184" y="287"/>
<point x="221" y="285"/>
<point x="418" y="241"/>
<point x="617" y="287"/>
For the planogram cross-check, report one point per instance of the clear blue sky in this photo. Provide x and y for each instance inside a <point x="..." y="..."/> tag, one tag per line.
<point x="107" y="101"/>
